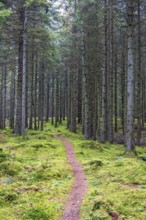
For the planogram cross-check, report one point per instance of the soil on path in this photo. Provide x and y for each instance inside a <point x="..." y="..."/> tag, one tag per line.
<point x="73" y="204"/>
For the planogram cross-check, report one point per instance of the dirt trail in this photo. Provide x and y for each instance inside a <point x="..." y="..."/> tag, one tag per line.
<point x="73" y="204"/>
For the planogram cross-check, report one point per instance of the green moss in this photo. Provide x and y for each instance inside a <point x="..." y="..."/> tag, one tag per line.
<point x="41" y="176"/>
<point x="119" y="184"/>
<point x="92" y="145"/>
<point x="116" y="182"/>
<point x="43" y="172"/>
<point x="10" y="168"/>
<point x="42" y="144"/>
<point x="95" y="163"/>
<point x="7" y="197"/>
<point x="3" y="156"/>
<point x="38" y="213"/>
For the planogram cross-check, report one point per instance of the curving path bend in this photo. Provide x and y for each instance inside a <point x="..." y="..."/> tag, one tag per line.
<point x="74" y="202"/>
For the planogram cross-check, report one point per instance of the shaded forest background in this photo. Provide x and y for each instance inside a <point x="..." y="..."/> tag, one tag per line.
<point x="80" y="61"/>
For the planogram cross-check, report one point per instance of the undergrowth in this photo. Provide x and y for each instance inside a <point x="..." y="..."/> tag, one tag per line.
<point x="116" y="183"/>
<point x="35" y="176"/>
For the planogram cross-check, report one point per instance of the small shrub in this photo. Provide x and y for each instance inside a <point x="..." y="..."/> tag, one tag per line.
<point x="45" y="144"/>
<point x="3" y="156"/>
<point x="97" y="205"/>
<point x="7" y="196"/>
<point x="42" y="137"/>
<point x="38" y="145"/>
<point x="96" y="163"/>
<point x="11" y="197"/>
<point x="46" y="172"/>
<point x="10" y="168"/>
<point x="18" y="145"/>
<point x="91" y="145"/>
<point x="37" y="213"/>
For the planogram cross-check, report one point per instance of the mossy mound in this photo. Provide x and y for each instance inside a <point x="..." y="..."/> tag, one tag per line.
<point x="95" y="163"/>
<point x="38" y="145"/>
<point x="10" y="168"/>
<point x="42" y="144"/>
<point x="3" y="156"/>
<point x="7" y="197"/>
<point x="89" y="144"/>
<point x="126" y="171"/>
<point x="37" y="213"/>
<point x="46" y="172"/>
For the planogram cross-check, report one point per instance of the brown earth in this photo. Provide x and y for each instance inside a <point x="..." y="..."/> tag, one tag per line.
<point x="74" y="201"/>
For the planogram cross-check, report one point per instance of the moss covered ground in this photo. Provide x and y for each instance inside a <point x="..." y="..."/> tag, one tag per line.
<point x="117" y="184"/>
<point x="35" y="177"/>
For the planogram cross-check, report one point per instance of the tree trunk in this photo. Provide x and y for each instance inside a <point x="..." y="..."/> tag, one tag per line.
<point x="12" y="97"/>
<point x="57" y="100"/>
<point x="19" y="89"/>
<point x="129" y="140"/>
<point x="35" y="95"/>
<point x="24" y="76"/>
<point x="139" y="77"/>
<point x="104" y="84"/>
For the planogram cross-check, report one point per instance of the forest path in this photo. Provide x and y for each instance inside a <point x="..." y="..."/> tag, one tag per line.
<point x="73" y="204"/>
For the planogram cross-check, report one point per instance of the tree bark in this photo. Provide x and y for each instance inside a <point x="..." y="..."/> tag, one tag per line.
<point x="129" y="140"/>
<point x="24" y="76"/>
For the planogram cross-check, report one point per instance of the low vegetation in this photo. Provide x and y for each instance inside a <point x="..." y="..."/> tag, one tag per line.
<point x="117" y="183"/>
<point x="36" y="178"/>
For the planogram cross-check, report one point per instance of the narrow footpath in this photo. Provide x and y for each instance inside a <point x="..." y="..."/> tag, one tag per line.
<point x="74" y="201"/>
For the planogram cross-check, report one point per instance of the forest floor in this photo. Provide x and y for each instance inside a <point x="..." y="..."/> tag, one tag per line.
<point x="73" y="204"/>
<point x="36" y="177"/>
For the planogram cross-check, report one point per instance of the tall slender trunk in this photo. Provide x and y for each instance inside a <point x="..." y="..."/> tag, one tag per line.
<point x="32" y="90"/>
<point x="68" y="79"/>
<point x="4" y="90"/>
<point x="104" y="84"/>
<point x="19" y="89"/>
<point x="35" y="94"/>
<point x="116" y="93"/>
<point x="42" y="95"/>
<point x="24" y="76"/>
<point x="129" y="136"/>
<point x="52" y="98"/>
<point x="48" y="99"/>
<point x="74" y="75"/>
<point x="139" y="77"/>
<point x="12" y="96"/>
<point x="18" y="123"/>
<point x="111" y="50"/>
<point x="57" y="100"/>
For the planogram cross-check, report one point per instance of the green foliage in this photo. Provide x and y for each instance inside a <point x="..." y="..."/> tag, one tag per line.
<point x="37" y="213"/>
<point x="92" y="145"/>
<point x="3" y="156"/>
<point x="95" y="163"/>
<point x="46" y="172"/>
<point x="35" y="176"/>
<point x="4" y="13"/>
<point x="7" y="197"/>
<point x="116" y="183"/>
<point x="37" y="3"/>
<point x="10" y="168"/>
